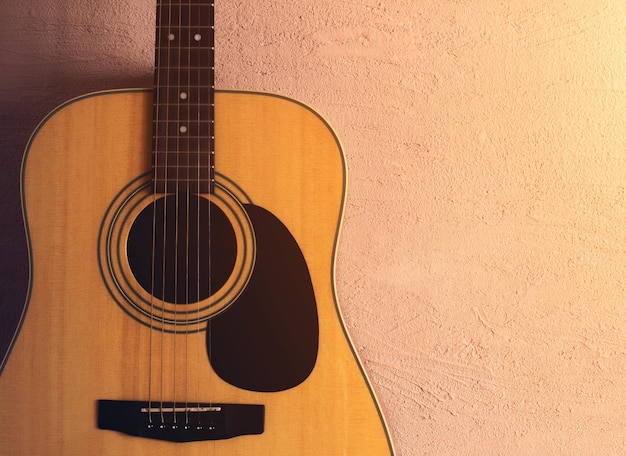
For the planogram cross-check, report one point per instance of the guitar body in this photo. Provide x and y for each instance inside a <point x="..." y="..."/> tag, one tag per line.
<point x="77" y="344"/>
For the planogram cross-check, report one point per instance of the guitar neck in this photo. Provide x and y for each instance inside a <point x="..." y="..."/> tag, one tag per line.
<point x="183" y="115"/>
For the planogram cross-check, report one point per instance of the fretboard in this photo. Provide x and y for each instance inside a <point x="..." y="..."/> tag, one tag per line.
<point x="183" y="115"/>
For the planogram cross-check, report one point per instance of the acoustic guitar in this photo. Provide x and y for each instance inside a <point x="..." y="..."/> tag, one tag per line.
<point x="181" y="299"/>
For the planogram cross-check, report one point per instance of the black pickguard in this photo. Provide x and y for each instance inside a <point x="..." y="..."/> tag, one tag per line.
<point x="267" y="340"/>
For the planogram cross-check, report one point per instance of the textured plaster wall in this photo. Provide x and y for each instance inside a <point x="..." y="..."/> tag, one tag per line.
<point x="482" y="265"/>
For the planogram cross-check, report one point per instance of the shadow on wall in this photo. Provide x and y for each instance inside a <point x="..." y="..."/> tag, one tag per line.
<point x="52" y="51"/>
<point x="18" y="120"/>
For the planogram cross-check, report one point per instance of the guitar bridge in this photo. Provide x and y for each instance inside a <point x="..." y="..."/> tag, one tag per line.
<point x="181" y="422"/>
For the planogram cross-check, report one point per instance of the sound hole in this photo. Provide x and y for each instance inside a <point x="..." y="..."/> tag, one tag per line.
<point x="182" y="248"/>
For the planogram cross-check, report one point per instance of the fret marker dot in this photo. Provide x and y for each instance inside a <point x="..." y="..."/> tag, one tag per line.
<point x="183" y="129"/>
<point x="171" y="37"/>
<point x="197" y="37"/>
<point x="183" y="95"/>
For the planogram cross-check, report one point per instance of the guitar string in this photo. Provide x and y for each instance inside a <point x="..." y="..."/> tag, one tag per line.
<point x="187" y="284"/>
<point x="198" y="235"/>
<point x="165" y="211"/>
<point x="156" y="129"/>
<point x="177" y="60"/>
<point x="211" y="151"/>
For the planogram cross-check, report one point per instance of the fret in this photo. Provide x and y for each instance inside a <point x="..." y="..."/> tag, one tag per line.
<point x="178" y="11"/>
<point x="185" y="57"/>
<point x="193" y="98"/>
<point x="182" y="86"/>
<point x="179" y="97"/>
<point x="191" y="46"/>
<point x="167" y="28"/>
<point x="186" y="129"/>
<point x="181" y="137"/>
<point x="184" y="76"/>
<point x="181" y="173"/>
<point x="193" y="111"/>
<point x="177" y="144"/>
<point x="179" y="166"/>
<point x="174" y="35"/>
<point x="184" y="2"/>
<point x="171" y="186"/>
<point x="189" y="14"/>
<point x="200" y="124"/>
<point x="172" y="94"/>
<point x="185" y="38"/>
<point x="181" y="158"/>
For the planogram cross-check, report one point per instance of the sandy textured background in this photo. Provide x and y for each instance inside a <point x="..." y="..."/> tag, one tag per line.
<point x="481" y="268"/>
